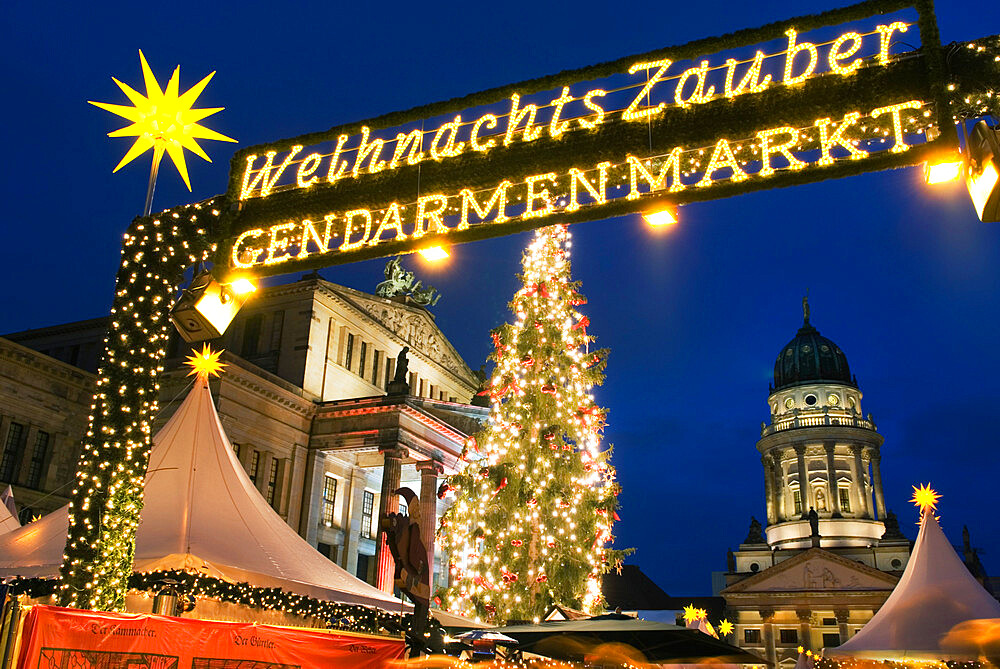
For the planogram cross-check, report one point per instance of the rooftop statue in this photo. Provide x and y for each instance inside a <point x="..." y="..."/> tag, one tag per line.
<point x="399" y="282"/>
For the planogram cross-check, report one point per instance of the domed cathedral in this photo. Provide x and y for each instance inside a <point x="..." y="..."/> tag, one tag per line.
<point x="820" y="453"/>
<point x="830" y="553"/>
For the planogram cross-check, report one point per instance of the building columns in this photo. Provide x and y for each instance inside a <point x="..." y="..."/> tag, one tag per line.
<point x="805" y="635"/>
<point x="769" y="489"/>
<point x="831" y="478"/>
<point x="429" y="471"/>
<point x="779" y="487"/>
<point x="876" y="460"/>
<point x="860" y="486"/>
<point x="800" y="452"/>
<point x="769" y="650"/>
<point x="388" y="503"/>
<point x="842" y="616"/>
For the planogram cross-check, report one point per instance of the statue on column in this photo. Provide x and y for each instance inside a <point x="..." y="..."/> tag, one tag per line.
<point x="814" y="527"/>
<point x="399" y="384"/>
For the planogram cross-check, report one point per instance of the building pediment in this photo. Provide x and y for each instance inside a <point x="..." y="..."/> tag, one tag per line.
<point x="815" y="570"/>
<point x="413" y="325"/>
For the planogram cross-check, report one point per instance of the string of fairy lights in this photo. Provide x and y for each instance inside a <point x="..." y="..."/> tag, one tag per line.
<point x="536" y="499"/>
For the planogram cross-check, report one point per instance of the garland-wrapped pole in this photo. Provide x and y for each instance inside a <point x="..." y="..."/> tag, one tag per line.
<point x="107" y="498"/>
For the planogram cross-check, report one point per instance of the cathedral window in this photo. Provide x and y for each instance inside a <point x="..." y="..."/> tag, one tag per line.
<point x="272" y="481"/>
<point x="797" y="499"/>
<point x="251" y="335"/>
<point x="788" y="637"/>
<point x="831" y="639"/>
<point x="350" y="351"/>
<point x="810" y="400"/>
<point x="254" y="466"/>
<point x="845" y="499"/>
<point x="375" y="363"/>
<point x="329" y="499"/>
<point x="367" y="506"/>
<point x="12" y="452"/>
<point x="751" y="636"/>
<point x="277" y="324"/>
<point x="363" y="360"/>
<point x="38" y="454"/>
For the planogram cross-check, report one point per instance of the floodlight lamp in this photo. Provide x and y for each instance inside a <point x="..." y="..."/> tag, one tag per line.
<point x="661" y="218"/>
<point x="943" y="170"/>
<point x="206" y="307"/>
<point x="982" y="171"/>
<point x="434" y="253"/>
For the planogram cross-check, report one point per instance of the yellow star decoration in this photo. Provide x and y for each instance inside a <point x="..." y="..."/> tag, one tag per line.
<point x="205" y="364"/>
<point x="690" y="613"/>
<point x="701" y="613"/>
<point x="725" y="628"/>
<point x="925" y="497"/>
<point x="162" y="120"/>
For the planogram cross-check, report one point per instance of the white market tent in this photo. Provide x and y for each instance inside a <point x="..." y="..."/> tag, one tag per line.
<point x="8" y="512"/>
<point x="925" y="615"/>
<point x="202" y="514"/>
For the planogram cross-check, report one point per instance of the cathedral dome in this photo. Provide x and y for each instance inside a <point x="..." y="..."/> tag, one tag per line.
<point x="810" y="358"/>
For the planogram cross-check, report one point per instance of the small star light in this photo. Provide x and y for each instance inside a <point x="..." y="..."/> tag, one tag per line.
<point x="725" y="628"/>
<point x="205" y="364"/>
<point x="925" y="497"/>
<point x="163" y="120"/>
<point x="690" y="613"/>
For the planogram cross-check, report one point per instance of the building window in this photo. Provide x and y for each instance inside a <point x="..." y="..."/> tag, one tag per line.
<point x="329" y="499"/>
<point x="363" y="566"/>
<point x="236" y="450"/>
<point x="254" y="466"/>
<point x="751" y="636"/>
<point x="403" y="509"/>
<point x="367" y="506"/>
<point x="388" y="374"/>
<point x="797" y="498"/>
<point x="12" y="452"/>
<point x="251" y="335"/>
<point x="277" y="324"/>
<point x="272" y="480"/>
<point x="361" y="363"/>
<point x="845" y="500"/>
<point x="788" y="637"/>
<point x="413" y="382"/>
<point x="38" y="459"/>
<point x="350" y="351"/>
<point x="375" y="362"/>
<point x="829" y="621"/>
<point x="831" y="640"/>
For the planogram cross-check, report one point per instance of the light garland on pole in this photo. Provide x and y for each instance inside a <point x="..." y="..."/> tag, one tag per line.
<point x="536" y="499"/>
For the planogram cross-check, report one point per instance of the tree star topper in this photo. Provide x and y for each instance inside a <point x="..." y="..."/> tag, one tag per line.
<point x="925" y="497"/>
<point x="206" y="363"/>
<point x="162" y="120"/>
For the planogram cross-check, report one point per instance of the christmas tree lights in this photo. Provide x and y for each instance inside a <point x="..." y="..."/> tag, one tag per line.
<point x="536" y="501"/>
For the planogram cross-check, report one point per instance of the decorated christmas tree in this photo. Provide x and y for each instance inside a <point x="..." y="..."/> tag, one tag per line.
<point x="535" y="503"/>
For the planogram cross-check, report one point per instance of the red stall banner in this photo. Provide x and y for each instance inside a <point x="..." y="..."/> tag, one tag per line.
<point x="58" y="638"/>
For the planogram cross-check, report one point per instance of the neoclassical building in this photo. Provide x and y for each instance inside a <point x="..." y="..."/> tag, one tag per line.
<point x="304" y="400"/>
<point x="830" y="553"/>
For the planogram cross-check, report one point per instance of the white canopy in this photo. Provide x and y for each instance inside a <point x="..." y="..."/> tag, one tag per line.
<point x="202" y="514"/>
<point x="8" y="512"/>
<point x="935" y="595"/>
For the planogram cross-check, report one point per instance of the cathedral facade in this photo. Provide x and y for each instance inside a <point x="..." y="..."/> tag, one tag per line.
<point x="304" y="400"/>
<point x="830" y="552"/>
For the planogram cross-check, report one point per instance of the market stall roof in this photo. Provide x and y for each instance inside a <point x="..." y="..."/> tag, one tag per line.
<point x="202" y="514"/>
<point x="935" y="594"/>
<point x="658" y="642"/>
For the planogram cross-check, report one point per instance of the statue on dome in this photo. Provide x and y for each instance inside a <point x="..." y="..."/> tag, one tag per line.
<point x="813" y="522"/>
<point x="756" y="533"/>
<point x="399" y="384"/>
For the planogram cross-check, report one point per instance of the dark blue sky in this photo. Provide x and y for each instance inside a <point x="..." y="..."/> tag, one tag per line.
<point x="903" y="278"/>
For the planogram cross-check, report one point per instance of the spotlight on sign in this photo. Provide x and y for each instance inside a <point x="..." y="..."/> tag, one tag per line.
<point x="434" y="253"/>
<point x="982" y="172"/>
<point x="661" y="218"/>
<point x="206" y="307"/>
<point x="943" y="170"/>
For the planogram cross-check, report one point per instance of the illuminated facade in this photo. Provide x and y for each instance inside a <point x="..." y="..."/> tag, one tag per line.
<point x="814" y="582"/>
<point x="303" y="400"/>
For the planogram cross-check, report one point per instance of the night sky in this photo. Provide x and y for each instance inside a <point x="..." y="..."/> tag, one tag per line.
<point x="903" y="278"/>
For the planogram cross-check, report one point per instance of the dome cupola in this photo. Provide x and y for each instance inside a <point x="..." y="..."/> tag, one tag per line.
<point x="810" y="358"/>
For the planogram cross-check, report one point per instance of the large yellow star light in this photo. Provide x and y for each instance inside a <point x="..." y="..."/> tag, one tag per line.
<point x="725" y="628"/>
<point x="925" y="497"/>
<point x="690" y="613"/>
<point x="162" y="120"/>
<point x="205" y="364"/>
